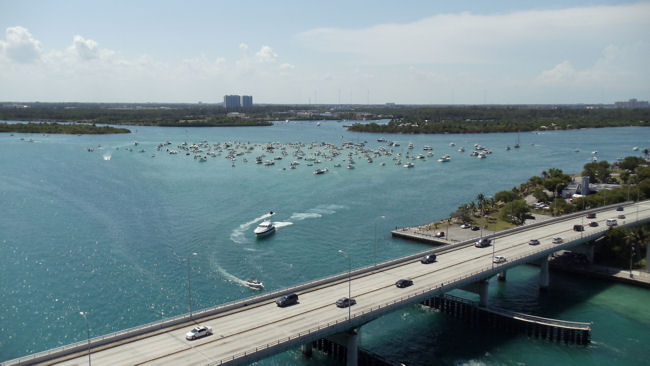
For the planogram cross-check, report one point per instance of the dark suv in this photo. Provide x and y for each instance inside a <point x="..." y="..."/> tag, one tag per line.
<point x="483" y="242"/>
<point x="287" y="300"/>
<point x="578" y="228"/>
<point x="429" y="258"/>
<point x="591" y="215"/>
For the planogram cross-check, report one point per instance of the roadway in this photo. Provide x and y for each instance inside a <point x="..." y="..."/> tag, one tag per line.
<point x="260" y="325"/>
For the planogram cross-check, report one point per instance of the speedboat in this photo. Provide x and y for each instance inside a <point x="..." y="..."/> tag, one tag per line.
<point x="321" y="171"/>
<point x="254" y="283"/>
<point x="264" y="229"/>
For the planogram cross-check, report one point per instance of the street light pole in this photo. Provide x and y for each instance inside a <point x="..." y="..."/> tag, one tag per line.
<point x="189" y="285"/>
<point x="88" y="332"/>
<point x="349" y="284"/>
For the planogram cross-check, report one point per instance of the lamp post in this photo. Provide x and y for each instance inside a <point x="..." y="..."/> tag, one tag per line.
<point x="375" y="254"/>
<point x="87" y="332"/>
<point x="349" y="283"/>
<point x="189" y="286"/>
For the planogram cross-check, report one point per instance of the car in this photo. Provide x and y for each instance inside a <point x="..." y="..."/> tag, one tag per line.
<point x="429" y="258"/>
<point x="440" y="234"/>
<point x="533" y="242"/>
<point x="475" y="228"/>
<point x="578" y="228"/>
<point x="287" y="300"/>
<point x="591" y="215"/>
<point x="404" y="283"/>
<point x="557" y="240"/>
<point x="344" y="302"/>
<point x="619" y="208"/>
<point x="465" y="226"/>
<point x="198" y="332"/>
<point x="499" y="259"/>
<point x="593" y="224"/>
<point x="611" y="222"/>
<point x="483" y="242"/>
<point x="621" y="217"/>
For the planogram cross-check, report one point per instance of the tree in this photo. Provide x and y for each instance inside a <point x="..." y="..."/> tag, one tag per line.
<point x="505" y="196"/>
<point x="540" y="195"/>
<point x="598" y="172"/>
<point x="480" y="200"/>
<point x="515" y="212"/>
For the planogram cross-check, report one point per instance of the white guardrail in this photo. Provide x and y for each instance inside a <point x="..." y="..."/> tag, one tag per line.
<point x="197" y="315"/>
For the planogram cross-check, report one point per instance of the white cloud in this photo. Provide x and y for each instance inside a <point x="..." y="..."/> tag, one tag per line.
<point x="266" y="55"/>
<point x="243" y="47"/>
<point x="86" y="49"/>
<point x="560" y="74"/>
<point x="286" y="66"/>
<point x="20" y="45"/>
<point x="467" y="38"/>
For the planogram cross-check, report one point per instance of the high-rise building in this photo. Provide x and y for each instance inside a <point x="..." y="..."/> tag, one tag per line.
<point x="247" y="100"/>
<point x="231" y="101"/>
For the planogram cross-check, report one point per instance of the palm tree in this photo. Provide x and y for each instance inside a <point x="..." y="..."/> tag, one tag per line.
<point x="480" y="199"/>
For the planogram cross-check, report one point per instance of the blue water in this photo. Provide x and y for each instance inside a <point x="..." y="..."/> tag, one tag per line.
<point x="79" y="232"/>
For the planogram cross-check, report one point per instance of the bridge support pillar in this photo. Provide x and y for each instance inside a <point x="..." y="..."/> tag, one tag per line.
<point x="483" y="293"/>
<point x="543" y="274"/>
<point x="352" y="338"/>
<point x="306" y="350"/>
<point x="502" y="275"/>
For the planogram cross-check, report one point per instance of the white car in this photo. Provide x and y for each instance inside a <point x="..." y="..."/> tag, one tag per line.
<point x="198" y="332"/>
<point x="465" y="226"/>
<point x="557" y="240"/>
<point x="499" y="259"/>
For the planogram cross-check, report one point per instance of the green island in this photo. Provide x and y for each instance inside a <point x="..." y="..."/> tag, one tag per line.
<point x="628" y="179"/>
<point x="475" y="119"/>
<point x="61" y="128"/>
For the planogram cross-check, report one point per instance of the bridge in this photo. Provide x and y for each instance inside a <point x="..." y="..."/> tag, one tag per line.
<point x="255" y="328"/>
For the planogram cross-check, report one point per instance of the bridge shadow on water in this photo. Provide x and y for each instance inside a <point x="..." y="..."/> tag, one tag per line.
<point x="417" y="335"/>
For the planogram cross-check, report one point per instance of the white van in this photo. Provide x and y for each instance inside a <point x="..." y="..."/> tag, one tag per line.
<point x="611" y="222"/>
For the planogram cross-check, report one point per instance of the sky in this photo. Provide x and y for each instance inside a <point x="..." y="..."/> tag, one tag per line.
<point x="325" y="52"/>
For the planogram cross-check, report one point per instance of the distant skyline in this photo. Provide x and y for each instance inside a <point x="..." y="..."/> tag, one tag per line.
<point x="415" y="52"/>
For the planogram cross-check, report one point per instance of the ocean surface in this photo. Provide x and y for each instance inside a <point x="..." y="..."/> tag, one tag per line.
<point x="102" y="225"/>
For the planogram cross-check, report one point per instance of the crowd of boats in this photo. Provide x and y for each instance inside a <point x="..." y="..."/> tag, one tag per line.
<point x="292" y="155"/>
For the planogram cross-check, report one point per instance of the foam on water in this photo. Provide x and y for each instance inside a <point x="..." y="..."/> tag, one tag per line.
<point x="237" y="234"/>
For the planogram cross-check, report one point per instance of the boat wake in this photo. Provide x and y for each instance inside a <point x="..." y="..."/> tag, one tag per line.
<point x="238" y="236"/>
<point x="280" y="224"/>
<point x="231" y="277"/>
<point x="317" y="212"/>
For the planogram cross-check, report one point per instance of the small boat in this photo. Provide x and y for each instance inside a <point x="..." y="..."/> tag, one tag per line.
<point x="445" y="158"/>
<point x="321" y="171"/>
<point x="254" y="283"/>
<point x="409" y="165"/>
<point x="264" y="229"/>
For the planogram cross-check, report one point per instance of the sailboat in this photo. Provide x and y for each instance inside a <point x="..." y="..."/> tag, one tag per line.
<point x="516" y="146"/>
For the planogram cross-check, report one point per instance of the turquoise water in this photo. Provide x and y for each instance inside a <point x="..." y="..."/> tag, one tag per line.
<point x="79" y="232"/>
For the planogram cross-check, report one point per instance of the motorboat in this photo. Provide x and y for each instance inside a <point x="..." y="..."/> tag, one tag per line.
<point x="409" y="165"/>
<point x="445" y="158"/>
<point x="264" y="229"/>
<point x="254" y="283"/>
<point x="321" y="171"/>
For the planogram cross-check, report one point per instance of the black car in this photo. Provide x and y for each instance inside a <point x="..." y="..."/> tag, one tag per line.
<point x="533" y="242"/>
<point x="403" y="283"/>
<point x="591" y="215"/>
<point x="344" y="302"/>
<point x="429" y="258"/>
<point x="619" y="208"/>
<point x="483" y="242"/>
<point x="593" y="224"/>
<point x="578" y="228"/>
<point x="475" y="228"/>
<point x="287" y="300"/>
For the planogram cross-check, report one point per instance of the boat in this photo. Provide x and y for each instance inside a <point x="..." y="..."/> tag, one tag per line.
<point x="254" y="283"/>
<point x="321" y="171"/>
<point x="409" y="165"/>
<point x="264" y="229"/>
<point x="445" y="158"/>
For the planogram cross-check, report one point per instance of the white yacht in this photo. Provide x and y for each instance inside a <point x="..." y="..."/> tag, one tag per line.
<point x="264" y="229"/>
<point x="445" y="158"/>
<point x="409" y="165"/>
